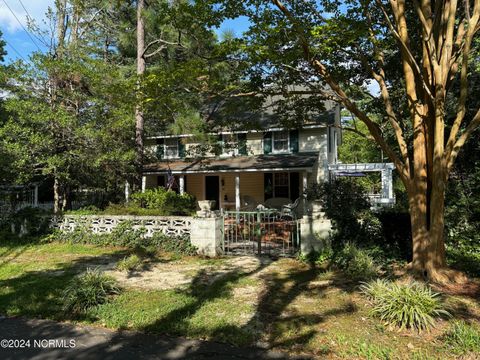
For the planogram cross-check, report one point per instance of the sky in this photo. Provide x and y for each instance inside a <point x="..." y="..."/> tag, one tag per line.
<point x="12" y="17"/>
<point x="20" y="43"/>
<point x="13" y="20"/>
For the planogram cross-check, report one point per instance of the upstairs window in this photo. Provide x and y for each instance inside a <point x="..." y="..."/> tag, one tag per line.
<point x="171" y="148"/>
<point x="280" y="141"/>
<point x="230" y="145"/>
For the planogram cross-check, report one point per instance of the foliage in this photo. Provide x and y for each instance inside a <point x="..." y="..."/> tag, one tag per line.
<point x="463" y="338"/>
<point x="130" y="263"/>
<point x="87" y="290"/>
<point x="411" y="305"/>
<point x="355" y="262"/>
<point x="33" y="221"/>
<point x="344" y="202"/>
<point x="167" y="202"/>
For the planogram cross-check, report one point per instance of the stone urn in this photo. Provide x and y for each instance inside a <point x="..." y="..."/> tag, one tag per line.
<point x="206" y="205"/>
<point x="317" y="208"/>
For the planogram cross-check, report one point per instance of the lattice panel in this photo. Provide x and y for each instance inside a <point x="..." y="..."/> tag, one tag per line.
<point x="168" y="225"/>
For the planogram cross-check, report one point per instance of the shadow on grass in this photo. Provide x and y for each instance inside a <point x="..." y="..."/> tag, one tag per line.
<point x="39" y="293"/>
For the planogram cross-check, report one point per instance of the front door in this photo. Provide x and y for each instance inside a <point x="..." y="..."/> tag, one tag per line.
<point x="212" y="190"/>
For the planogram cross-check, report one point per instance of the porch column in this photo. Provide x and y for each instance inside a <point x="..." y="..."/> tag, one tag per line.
<point x="127" y="191"/>
<point x="182" y="184"/>
<point x="304" y="184"/>
<point x="35" y="196"/>
<point x="237" y="192"/>
<point x="144" y="183"/>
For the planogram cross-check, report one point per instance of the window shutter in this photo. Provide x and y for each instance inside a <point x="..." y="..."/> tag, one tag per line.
<point x="242" y="144"/>
<point x="267" y="143"/>
<point x="160" y="149"/>
<point x="294" y="141"/>
<point x="181" y="148"/>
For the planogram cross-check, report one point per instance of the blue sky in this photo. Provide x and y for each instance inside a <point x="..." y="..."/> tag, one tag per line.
<point x="13" y="17"/>
<point x="13" y="20"/>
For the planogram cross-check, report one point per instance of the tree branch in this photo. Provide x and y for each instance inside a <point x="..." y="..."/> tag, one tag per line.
<point x="343" y="98"/>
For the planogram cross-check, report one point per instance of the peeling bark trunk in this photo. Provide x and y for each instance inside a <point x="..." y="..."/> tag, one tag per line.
<point x="428" y="232"/>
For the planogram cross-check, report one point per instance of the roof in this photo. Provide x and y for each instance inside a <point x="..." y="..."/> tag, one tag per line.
<point x="295" y="109"/>
<point x="271" y="162"/>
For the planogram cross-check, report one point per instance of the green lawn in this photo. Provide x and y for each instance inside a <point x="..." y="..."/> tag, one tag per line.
<point x="286" y="304"/>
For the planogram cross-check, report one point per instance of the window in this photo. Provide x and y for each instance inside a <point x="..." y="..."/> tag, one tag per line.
<point x="171" y="148"/>
<point x="281" y="185"/>
<point x="278" y="185"/>
<point x="229" y="145"/>
<point x="280" y="141"/>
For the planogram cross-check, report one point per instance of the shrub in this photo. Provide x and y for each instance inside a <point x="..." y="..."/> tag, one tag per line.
<point x="317" y="257"/>
<point x="463" y="338"/>
<point x="356" y="263"/>
<point x="167" y="201"/>
<point x="411" y="305"/>
<point x="130" y="263"/>
<point x="88" y="290"/>
<point x="179" y="245"/>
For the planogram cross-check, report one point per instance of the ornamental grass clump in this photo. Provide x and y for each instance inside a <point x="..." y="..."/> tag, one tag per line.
<point x="412" y="305"/>
<point x="130" y="263"/>
<point x="88" y="290"/>
<point x="355" y="262"/>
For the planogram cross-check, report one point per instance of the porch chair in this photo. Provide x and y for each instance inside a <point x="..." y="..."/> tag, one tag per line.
<point x="276" y="203"/>
<point x="248" y="203"/>
<point x="290" y="210"/>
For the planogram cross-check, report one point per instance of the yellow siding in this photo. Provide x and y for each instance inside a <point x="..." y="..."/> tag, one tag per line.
<point x="251" y="184"/>
<point x="312" y="139"/>
<point x="195" y="185"/>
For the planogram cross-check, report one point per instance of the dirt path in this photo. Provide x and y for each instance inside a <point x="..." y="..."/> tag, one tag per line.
<point x="178" y="274"/>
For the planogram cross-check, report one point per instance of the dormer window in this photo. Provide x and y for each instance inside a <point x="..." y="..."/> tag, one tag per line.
<point x="171" y="148"/>
<point x="280" y="141"/>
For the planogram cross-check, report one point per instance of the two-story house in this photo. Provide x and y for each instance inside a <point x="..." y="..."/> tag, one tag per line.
<point x="269" y="162"/>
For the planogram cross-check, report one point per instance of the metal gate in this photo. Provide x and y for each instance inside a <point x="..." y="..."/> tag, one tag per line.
<point x="260" y="233"/>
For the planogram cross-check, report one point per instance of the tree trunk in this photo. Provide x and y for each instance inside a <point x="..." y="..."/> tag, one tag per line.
<point x="139" y="119"/>
<point x="428" y="233"/>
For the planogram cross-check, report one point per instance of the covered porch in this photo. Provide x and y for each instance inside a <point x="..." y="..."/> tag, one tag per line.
<point x="238" y="183"/>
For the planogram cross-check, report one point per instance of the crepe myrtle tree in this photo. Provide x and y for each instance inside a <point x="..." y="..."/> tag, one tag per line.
<point x="414" y="50"/>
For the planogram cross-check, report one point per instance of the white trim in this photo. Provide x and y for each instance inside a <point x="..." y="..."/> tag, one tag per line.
<point x="288" y="143"/>
<point x="237" y="192"/>
<point x="307" y="169"/>
<point x="319" y="126"/>
<point x="181" y="181"/>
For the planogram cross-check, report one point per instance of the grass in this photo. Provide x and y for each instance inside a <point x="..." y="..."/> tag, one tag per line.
<point x="463" y="338"/>
<point x="286" y="304"/>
